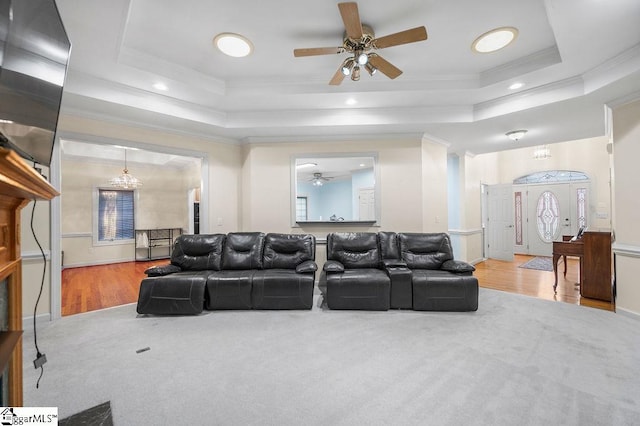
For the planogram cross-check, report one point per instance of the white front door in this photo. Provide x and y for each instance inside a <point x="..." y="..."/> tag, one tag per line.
<point x="549" y="216"/>
<point x="500" y="227"/>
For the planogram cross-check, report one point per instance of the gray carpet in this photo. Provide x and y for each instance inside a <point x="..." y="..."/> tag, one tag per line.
<point x="518" y="360"/>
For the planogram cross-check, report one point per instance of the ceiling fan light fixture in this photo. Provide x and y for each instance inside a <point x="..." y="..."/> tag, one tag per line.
<point x="232" y="44"/>
<point x="371" y="69"/>
<point x="363" y="58"/>
<point x="494" y="40"/>
<point x="347" y="66"/>
<point x="355" y="75"/>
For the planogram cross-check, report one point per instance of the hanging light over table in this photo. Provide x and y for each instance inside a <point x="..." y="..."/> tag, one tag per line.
<point x="125" y="180"/>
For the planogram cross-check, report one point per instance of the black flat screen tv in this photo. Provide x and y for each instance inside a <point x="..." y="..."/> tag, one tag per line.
<point x="34" y="53"/>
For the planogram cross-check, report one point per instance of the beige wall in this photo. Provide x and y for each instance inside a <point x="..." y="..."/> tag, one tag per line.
<point x="162" y="202"/>
<point x="267" y="185"/>
<point x="587" y="155"/>
<point x="224" y="163"/>
<point x="224" y="177"/>
<point x="435" y="213"/>
<point x="626" y="152"/>
<point x="408" y="169"/>
<point x="32" y="263"/>
<point x="250" y="186"/>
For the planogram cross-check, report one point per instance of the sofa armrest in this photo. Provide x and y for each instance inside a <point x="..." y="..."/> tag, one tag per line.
<point x="393" y="263"/>
<point x="160" y="270"/>
<point x="457" y="266"/>
<point x="333" y="266"/>
<point x="306" y="266"/>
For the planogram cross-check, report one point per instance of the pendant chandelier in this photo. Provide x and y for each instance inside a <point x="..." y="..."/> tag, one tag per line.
<point x="125" y="180"/>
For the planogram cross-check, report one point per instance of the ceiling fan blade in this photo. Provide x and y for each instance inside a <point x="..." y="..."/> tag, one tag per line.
<point x="313" y="51"/>
<point x="351" y="19"/>
<point x="384" y="66"/>
<point x="337" y="77"/>
<point x="403" y="37"/>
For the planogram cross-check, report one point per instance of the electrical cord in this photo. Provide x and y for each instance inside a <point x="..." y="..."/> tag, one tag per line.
<point x="40" y="357"/>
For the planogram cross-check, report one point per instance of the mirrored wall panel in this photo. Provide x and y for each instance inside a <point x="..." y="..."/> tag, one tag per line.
<point x="335" y="188"/>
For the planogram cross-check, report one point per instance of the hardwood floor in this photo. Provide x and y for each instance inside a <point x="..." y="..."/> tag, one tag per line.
<point x="98" y="287"/>
<point x="508" y="276"/>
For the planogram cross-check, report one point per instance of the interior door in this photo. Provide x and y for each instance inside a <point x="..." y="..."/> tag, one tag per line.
<point x="366" y="204"/>
<point x="549" y="214"/>
<point x="500" y="227"/>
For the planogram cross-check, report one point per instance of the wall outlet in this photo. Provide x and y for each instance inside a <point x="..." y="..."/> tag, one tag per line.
<point x="219" y="221"/>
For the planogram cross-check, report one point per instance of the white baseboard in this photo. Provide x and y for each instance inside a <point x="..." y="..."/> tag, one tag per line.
<point x="96" y="262"/>
<point x="27" y="322"/>
<point x="628" y="313"/>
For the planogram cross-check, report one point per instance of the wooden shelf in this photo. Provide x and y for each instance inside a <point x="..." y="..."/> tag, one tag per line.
<point x="8" y="341"/>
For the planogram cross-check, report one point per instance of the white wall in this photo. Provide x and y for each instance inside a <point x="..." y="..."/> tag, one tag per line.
<point x="626" y="152"/>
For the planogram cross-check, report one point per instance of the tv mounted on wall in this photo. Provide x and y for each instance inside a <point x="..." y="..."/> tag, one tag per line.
<point x="34" y="53"/>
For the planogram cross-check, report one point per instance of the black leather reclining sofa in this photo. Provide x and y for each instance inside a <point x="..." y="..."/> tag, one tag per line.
<point x="378" y="271"/>
<point x="247" y="270"/>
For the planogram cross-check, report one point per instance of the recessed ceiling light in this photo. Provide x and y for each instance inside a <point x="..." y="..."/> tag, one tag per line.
<point x="495" y="39"/>
<point x="516" y="86"/>
<point x="233" y="44"/>
<point x="351" y="101"/>
<point x="3" y="121"/>
<point x="160" y="86"/>
<point x="362" y="165"/>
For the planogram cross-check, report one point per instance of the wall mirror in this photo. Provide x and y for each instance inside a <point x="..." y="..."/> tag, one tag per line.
<point x="339" y="188"/>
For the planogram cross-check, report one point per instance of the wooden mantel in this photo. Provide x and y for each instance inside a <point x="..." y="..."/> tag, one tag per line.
<point x="19" y="184"/>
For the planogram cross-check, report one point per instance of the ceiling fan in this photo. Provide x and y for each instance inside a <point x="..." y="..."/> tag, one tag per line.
<point x="360" y="41"/>
<point x="318" y="179"/>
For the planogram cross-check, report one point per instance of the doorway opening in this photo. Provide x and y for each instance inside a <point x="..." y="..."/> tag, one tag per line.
<point x="525" y="217"/>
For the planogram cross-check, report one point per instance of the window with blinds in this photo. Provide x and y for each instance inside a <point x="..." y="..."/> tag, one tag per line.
<point x="115" y="215"/>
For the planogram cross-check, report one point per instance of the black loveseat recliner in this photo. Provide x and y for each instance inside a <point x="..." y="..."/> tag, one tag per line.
<point x="404" y="270"/>
<point x="248" y="270"/>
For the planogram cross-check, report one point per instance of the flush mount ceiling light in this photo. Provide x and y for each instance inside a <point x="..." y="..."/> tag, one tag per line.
<point x="305" y="165"/>
<point x="233" y="44"/>
<point x="516" y="135"/>
<point x="495" y="39"/>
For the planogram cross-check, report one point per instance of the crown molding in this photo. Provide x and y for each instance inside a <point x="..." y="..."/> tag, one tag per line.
<point x="614" y="69"/>
<point x="256" y="140"/>
<point x="536" y="61"/>
<point x="132" y="122"/>
<point x="542" y="95"/>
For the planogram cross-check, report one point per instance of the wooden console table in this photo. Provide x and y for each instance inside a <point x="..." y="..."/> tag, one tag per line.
<point x="19" y="184"/>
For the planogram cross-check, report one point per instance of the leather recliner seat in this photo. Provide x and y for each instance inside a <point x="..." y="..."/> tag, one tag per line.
<point x="248" y="270"/>
<point x="396" y="270"/>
